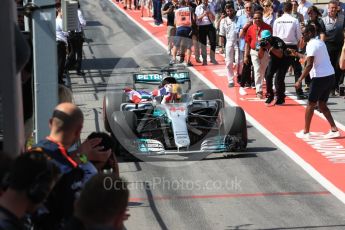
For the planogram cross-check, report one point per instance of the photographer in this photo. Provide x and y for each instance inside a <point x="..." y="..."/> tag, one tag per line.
<point x="277" y="66"/>
<point x="169" y="11"/>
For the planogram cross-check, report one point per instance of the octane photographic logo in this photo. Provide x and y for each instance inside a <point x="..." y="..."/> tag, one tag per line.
<point x="156" y="129"/>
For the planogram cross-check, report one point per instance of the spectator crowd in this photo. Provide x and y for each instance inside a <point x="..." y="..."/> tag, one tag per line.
<point x="234" y="27"/>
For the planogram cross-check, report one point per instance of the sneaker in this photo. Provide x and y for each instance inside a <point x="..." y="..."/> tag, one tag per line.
<point x="253" y="85"/>
<point x="197" y="60"/>
<point x="332" y="134"/>
<point x="247" y="86"/>
<point x="181" y="59"/>
<point x="301" y="96"/>
<point x="214" y="61"/>
<point x="280" y="101"/>
<point x="302" y="135"/>
<point x="204" y="63"/>
<point x="242" y="91"/>
<point x="269" y="100"/>
<point x="306" y="88"/>
<point x="172" y="62"/>
<point x="189" y="64"/>
<point x="259" y="95"/>
<point x="231" y="84"/>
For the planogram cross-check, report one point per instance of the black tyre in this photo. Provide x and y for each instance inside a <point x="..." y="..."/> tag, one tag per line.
<point x="123" y="125"/>
<point x="235" y="126"/>
<point x="212" y="94"/>
<point x="111" y="103"/>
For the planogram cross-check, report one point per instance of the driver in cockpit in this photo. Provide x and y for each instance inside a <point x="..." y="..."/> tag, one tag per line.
<point x="169" y="89"/>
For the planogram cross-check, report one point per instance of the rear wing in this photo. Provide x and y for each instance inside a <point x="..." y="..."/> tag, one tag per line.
<point x="154" y="76"/>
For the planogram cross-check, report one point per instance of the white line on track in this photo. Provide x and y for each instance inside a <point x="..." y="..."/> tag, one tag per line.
<point x="289" y="152"/>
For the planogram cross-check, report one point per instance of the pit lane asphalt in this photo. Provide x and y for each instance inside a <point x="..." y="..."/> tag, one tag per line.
<point x="261" y="189"/>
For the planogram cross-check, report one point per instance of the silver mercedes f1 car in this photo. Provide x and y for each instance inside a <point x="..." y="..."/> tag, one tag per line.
<point x="170" y="119"/>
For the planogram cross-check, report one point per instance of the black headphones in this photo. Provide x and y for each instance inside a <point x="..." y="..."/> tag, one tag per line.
<point x="41" y="185"/>
<point x="39" y="190"/>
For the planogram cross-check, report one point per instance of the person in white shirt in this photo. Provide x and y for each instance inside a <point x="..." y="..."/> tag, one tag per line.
<point x="288" y="29"/>
<point x="321" y="72"/>
<point x="61" y="40"/>
<point x="228" y="30"/>
<point x="205" y="15"/>
<point x="303" y="9"/>
<point x="75" y="45"/>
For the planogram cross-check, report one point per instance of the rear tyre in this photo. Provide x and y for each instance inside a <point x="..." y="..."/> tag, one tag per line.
<point x="235" y="126"/>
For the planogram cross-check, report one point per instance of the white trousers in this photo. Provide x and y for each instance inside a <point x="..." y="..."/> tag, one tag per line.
<point x="232" y="53"/>
<point x="260" y="66"/>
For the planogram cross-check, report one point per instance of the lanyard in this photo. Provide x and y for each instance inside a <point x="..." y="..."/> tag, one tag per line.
<point x="63" y="152"/>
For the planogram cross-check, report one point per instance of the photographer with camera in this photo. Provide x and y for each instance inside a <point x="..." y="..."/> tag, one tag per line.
<point x="169" y="11"/>
<point x="277" y="66"/>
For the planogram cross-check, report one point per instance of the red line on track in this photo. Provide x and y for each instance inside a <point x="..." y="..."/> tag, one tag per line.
<point x="224" y="196"/>
<point x="281" y="121"/>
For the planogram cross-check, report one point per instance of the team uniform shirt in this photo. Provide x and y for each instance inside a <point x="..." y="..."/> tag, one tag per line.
<point x="200" y="9"/>
<point x="288" y="29"/>
<point x="60" y="34"/>
<point x="253" y="35"/>
<point x="241" y="21"/>
<point x="183" y="17"/>
<point x="60" y="201"/>
<point x="322" y="66"/>
<point x="303" y="9"/>
<point x="228" y="29"/>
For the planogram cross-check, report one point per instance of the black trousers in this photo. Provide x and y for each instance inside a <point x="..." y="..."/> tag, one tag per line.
<point x="207" y="31"/>
<point x="246" y="76"/>
<point x="278" y="68"/>
<point x="334" y="55"/>
<point x="61" y="53"/>
<point x="75" y="46"/>
<point x="297" y="67"/>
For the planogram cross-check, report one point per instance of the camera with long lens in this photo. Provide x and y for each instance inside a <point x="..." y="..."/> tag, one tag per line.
<point x="263" y="43"/>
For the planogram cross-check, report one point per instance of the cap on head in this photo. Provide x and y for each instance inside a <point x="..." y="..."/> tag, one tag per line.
<point x="265" y="34"/>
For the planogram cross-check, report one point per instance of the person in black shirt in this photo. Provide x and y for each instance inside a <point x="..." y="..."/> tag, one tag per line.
<point x="169" y="10"/>
<point x="102" y="204"/>
<point x="29" y="183"/>
<point x="278" y="65"/>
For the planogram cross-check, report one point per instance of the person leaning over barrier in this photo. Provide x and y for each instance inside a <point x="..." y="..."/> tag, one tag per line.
<point x="322" y="79"/>
<point x="65" y="125"/>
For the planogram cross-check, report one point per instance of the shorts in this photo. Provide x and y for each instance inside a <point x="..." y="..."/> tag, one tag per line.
<point x="184" y="34"/>
<point x="320" y="88"/>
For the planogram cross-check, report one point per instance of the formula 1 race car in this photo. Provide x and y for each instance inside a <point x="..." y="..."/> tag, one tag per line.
<point x="169" y="119"/>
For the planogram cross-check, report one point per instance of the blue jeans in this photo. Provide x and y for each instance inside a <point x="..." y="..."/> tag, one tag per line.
<point x="157" y="14"/>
